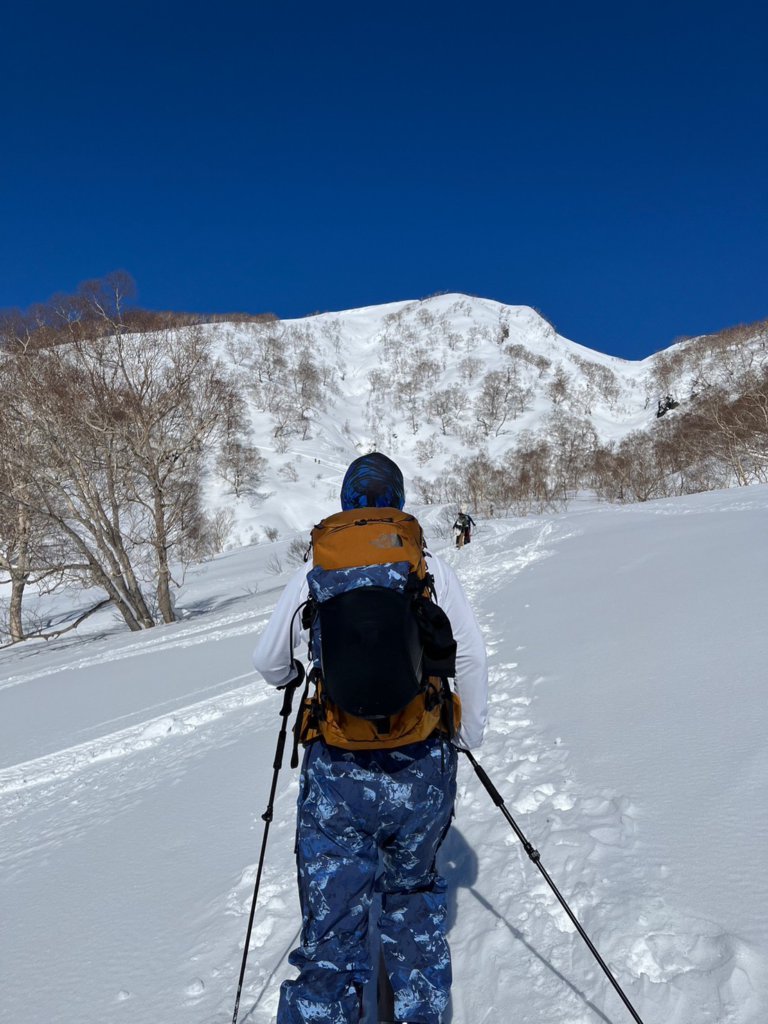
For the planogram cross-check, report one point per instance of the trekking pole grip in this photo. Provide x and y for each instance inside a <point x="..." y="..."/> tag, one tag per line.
<point x="481" y="773"/>
<point x="285" y="714"/>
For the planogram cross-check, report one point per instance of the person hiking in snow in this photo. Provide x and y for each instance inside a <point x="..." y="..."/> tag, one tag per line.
<point x="463" y="527"/>
<point x="376" y="793"/>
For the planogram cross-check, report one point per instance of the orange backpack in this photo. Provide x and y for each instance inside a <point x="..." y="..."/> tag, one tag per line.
<point x="381" y="649"/>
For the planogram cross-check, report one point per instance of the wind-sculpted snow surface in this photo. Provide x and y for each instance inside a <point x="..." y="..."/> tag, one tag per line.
<point x="627" y="735"/>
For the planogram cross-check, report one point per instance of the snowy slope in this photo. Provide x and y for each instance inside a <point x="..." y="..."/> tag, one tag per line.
<point x="370" y="355"/>
<point x="450" y="330"/>
<point x="627" y="733"/>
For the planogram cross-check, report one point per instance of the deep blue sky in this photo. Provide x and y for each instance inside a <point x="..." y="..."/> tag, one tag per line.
<point x="606" y="163"/>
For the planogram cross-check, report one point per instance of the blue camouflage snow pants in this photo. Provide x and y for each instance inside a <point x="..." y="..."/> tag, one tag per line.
<point x="371" y="820"/>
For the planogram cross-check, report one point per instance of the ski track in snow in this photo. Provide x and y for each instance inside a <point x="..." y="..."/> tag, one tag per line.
<point x="203" y="632"/>
<point x="675" y="969"/>
<point x="60" y="765"/>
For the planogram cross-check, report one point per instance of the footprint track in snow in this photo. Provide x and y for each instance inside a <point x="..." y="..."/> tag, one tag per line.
<point x="588" y="843"/>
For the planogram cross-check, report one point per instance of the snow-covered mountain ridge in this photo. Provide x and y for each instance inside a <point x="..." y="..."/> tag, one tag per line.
<point x="133" y="445"/>
<point x="430" y="382"/>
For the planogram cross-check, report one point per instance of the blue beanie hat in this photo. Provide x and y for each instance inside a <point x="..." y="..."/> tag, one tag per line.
<point x="373" y="481"/>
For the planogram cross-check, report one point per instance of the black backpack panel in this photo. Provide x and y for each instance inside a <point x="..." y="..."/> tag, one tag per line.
<point x="370" y="651"/>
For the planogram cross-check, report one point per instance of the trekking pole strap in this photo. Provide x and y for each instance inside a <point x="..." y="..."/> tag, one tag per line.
<point x="536" y="858"/>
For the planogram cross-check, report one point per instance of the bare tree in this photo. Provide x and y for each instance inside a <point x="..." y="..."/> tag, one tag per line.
<point x="427" y="449"/>
<point x="557" y="389"/>
<point x="18" y="537"/>
<point x="448" y="405"/>
<point x="502" y="396"/>
<point x="470" y="367"/>
<point x="630" y="471"/>
<point x="573" y="442"/>
<point x="741" y="426"/>
<point x="531" y="479"/>
<point x="491" y="406"/>
<point x="239" y="462"/>
<point x="241" y="465"/>
<point x="117" y="427"/>
<point x="29" y="553"/>
<point x="175" y="395"/>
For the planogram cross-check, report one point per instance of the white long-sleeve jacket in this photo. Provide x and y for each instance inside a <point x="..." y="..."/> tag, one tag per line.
<point x="283" y="634"/>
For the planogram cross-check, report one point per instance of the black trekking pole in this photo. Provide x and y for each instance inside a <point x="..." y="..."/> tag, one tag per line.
<point x="535" y="857"/>
<point x="285" y="713"/>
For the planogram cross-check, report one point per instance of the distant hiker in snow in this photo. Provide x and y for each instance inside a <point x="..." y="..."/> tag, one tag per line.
<point x="378" y="779"/>
<point x="463" y="527"/>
